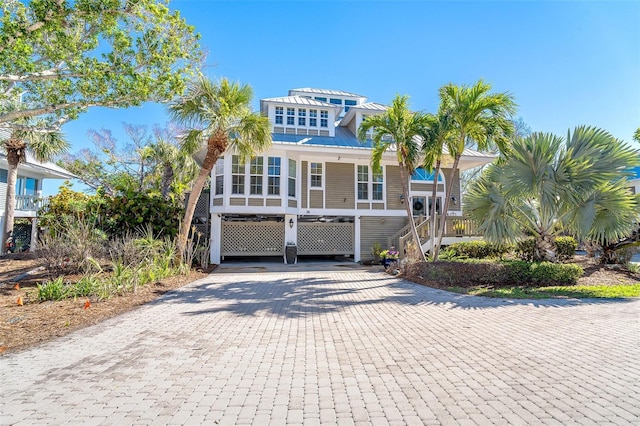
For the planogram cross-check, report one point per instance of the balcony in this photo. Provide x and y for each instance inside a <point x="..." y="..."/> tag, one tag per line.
<point x="30" y="203"/>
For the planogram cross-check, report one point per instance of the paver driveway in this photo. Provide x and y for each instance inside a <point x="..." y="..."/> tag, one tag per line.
<point x="355" y="346"/>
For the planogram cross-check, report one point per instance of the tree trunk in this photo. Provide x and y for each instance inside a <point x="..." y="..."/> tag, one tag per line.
<point x="216" y="145"/>
<point x="419" y="254"/>
<point x="14" y="155"/>
<point x="445" y="208"/>
<point x="432" y="213"/>
<point x="167" y="178"/>
<point x="544" y="248"/>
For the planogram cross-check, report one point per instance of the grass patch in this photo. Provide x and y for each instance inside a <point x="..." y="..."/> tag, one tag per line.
<point x="576" y="292"/>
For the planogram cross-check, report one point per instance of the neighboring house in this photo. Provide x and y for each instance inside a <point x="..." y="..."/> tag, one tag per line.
<point x="315" y="188"/>
<point x="28" y="195"/>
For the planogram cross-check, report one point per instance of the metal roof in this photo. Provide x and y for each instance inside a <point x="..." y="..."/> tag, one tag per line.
<point x="369" y="106"/>
<point x="343" y="138"/>
<point x="326" y="92"/>
<point x="299" y="100"/>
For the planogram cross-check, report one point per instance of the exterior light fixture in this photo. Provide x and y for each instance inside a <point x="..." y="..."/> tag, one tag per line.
<point x="402" y="198"/>
<point x="454" y="200"/>
<point x="291" y="223"/>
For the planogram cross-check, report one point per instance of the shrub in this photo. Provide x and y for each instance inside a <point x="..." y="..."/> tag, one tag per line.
<point x="475" y="250"/>
<point x="565" y="248"/>
<point x="53" y="290"/>
<point x="473" y="272"/>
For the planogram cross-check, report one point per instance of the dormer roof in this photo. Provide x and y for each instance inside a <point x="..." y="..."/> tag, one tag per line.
<point x="371" y="107"/>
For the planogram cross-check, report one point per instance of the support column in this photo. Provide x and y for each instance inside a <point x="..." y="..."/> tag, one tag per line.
<point x="216" y="238"/>
<point x="356" y="245"/>
<point x="290" y="232"/>
<point x="34" y="234"/>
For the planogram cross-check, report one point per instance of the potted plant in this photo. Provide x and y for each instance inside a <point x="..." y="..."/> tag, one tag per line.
<point x="290" y="253"/>
<point x="389" y="256"/>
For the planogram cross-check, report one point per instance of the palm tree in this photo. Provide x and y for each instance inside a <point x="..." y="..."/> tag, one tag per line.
<point x="477" y="117"/>
<point x="174" y="167"/>
<point x="44" y="144"/>
<point x="398" y="129"/>
<point x="435" y="137"/>
<point x="548" y="184"/>
<point x="217" y="115"/>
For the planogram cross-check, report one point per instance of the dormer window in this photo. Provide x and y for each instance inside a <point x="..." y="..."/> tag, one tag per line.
<point x="279" y="115"/>
<point x="313" y="117"/>
<point x="348" y="103"/>
<point x="324" y="115"/>
<point x="335" y="101"/>
<point x="320" y="98"/>
<point x="291" y="116"/>
<point x="302" y="114"/>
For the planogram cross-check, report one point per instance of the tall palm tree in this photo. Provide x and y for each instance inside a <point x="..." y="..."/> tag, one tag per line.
<point x="548" y="184"/>
<point x="218" y="117"/>
<point x="479" y="117"/>
<point x="398" y="129"/>
<point x="44" y="144"/>
<point x="435" y="137"/>
<point x="174" y="167"/>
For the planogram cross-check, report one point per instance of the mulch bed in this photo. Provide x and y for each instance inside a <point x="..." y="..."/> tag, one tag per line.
<point x="32" y="323"/>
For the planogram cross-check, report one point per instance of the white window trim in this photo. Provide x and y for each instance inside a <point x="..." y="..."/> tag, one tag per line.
<point x="431" y="181"/>
<point x="370" y="183"/>
<point x="317" y="188"/>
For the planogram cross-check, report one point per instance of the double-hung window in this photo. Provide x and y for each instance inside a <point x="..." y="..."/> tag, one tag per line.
<point x="302" y="117"/>
<point x="256" y="169"/>
<point x="273" y="178"/>
<point x="237" y="175"/>
<point x="313" y="118"/>
<point x="291" y="116"/>
<point x="363" y="182"/>
<point x="219" y="172"/>
<point x="370" y="184"/>
<point x="316" y="175"/>
<point x="292" y="178"/>
<point x="279" y="115"/>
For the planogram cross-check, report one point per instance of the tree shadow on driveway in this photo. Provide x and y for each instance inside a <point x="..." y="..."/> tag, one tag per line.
<point x="321" y="294"/>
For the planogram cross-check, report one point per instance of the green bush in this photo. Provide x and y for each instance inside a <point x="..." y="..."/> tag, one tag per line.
<point x="565" y="248"/>
<point x="53" y="290"/>
<point x="475" y="250"/>
<point x="474" y="272"/>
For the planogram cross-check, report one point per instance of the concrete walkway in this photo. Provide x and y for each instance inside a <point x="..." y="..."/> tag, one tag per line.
<point x="342" y="346"/>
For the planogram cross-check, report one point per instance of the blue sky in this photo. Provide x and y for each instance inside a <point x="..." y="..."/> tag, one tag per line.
<point x="566" y="63"/>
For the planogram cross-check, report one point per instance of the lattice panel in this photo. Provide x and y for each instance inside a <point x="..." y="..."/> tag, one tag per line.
<point x="252" y="239"/>
<point x="202" y="206"/>
<point x="325" y="238"/>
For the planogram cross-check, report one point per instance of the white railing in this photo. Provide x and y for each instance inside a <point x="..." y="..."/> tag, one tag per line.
<point x="30" y="202"/>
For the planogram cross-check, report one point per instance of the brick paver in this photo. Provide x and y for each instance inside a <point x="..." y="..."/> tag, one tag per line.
<point x="354" y="347"/>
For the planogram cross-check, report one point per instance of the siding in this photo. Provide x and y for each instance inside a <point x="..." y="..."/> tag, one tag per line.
<point x="455" y="190"/>
<point x="217" y="201"/>
<point x="237" y="201"/>
<point x="272" y="202"/>
<point x="315" y="199"/>
<point x="363" y="206"/>
<point x="3" y="198"/>
<point x="303" y="191"/>
<point x="394" y="188"/>
<point x="293" y="203"/>
<point x="422" y="187"/>
<point x="256" y="202"/>
<point x="377" y="206"/>
<point x="340" y="186"/>
<point x="377" y="229"/>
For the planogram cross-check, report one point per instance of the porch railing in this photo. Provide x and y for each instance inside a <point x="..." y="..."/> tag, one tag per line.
<point x="30" y="202"/>
<point x="454" y="226"/>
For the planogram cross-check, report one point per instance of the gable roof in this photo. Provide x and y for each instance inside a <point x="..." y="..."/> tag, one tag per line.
<point x="369" y="106"/>
<point x="296" y="100"/>
<point x="326" y="92"/>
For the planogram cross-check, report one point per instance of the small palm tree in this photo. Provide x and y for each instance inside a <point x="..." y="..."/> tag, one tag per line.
<point x="435" y="137"/>
<point x="44" y="144"/>
<point x="398" y="129"/>
<point x="218" y="117"/>
<point x="547" y="185"/>
<point x="479" y="117"/>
